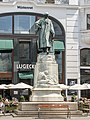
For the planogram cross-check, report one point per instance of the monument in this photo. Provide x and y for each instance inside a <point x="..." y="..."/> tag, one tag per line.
<point x="46" y="84"/>
<point x="46" y="88"/>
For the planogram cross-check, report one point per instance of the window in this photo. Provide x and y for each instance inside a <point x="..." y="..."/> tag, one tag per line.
<point x="50" y="1"/>
<point x="24" y="24"/>
<point x="85" y="78"/>
<point x="58" y="58"/>
<point x="57" y="28"/>
<point x="5" y="62"/>
<point x="85" y="57"/>
<point x="27" y="51"/>
<point x="70" y="83"/>
<point x="6" y="24"/>
<point x="24" y="51"/>
<point x="85" y="75"/>
<point x="88" y="21"/>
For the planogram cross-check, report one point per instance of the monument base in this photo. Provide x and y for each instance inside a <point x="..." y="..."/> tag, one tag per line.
<point x="26" y="106"/>
<point x="46" y="83"/>
<point x="29" y="109"/>
<point x="46" y="94"/>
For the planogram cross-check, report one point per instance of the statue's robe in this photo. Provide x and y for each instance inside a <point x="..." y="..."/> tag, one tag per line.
<point x="45" y="29"/>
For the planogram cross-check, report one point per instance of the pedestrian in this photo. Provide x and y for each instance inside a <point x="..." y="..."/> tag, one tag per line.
<point x="1" y="106"/>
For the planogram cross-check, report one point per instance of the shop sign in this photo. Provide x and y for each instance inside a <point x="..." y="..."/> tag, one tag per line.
<point x="25" y="7"/>
<point x="15" y="92"/>
<point x="25" y="66"/>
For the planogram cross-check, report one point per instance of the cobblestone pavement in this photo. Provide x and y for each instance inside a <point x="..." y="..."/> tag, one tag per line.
<point x="30" y="118"/>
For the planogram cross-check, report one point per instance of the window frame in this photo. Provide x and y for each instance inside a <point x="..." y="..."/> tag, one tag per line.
<point x="85" y="58"/>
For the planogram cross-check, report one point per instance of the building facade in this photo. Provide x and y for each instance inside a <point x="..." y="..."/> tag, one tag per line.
<point x="18" y="40"/>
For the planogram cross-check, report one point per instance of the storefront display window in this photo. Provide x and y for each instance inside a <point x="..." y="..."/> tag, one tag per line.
<point x="5" y="62"/>
<point x="85" y="78"/>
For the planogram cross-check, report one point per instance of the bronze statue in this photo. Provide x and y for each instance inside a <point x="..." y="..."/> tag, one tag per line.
<point x="45" y="29"/>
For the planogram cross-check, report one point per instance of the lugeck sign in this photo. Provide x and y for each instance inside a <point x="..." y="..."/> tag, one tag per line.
<point x="25" y="66"/>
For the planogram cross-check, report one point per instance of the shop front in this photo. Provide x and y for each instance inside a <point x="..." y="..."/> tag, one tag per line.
<point x="20" y="27"/>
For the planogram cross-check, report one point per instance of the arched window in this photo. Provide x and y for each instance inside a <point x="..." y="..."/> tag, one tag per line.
<point x="24" y="23"/>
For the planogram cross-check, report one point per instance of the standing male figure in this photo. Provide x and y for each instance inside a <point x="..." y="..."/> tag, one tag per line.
<point x="45" y="30"/>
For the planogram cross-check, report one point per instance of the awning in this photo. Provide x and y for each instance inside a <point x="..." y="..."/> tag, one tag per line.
<point x="6" y="44"/>
<point x="58" y="45"/>
<point x="26" y="75"/>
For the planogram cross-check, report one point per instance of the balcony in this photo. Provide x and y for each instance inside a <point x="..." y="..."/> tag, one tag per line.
<point x="85" y="37"/>
<point x="42" y="1"/>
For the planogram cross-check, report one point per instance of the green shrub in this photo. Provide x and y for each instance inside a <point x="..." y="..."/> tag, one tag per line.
<point x="73" y="98"/>
<point x="0" y="97"/>
<point x="9" y="108"/>
<point x="65" y="98"/>
<point x="22" y="98"/>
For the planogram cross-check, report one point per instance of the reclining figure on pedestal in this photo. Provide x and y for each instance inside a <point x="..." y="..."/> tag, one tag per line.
<point x="44" y="79"/>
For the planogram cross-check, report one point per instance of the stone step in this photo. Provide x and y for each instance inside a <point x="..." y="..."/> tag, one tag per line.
<point x="20" y="115"/>
<point x="33" y="113"/>
<point x="45" y="116"/>
<point x="56" y="111"/>
<point x="19" y="112"/>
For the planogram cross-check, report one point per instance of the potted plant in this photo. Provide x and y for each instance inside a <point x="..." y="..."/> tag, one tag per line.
<point x="73" y="98"/>
<point x="65" y="98"/>
<point x="22" y="98"/>
<point x="0" y="97"/>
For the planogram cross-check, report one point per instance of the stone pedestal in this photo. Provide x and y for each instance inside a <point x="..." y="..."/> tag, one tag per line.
<point x="46" y="86"/>
<point x="33" y="105"/>
<point x="47" y="94"/>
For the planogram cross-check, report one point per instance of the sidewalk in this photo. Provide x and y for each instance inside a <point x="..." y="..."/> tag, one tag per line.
<point x="9" y="117"/>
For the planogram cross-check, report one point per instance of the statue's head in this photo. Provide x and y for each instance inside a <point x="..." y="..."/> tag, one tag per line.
<point x="45" y="14"/>
<point x="46" y="72"/>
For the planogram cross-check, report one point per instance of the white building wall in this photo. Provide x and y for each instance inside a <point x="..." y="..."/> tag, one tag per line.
<point x="72" y="39"/>
<point x="69" y="18"/>
<point x="73" y="2"/>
